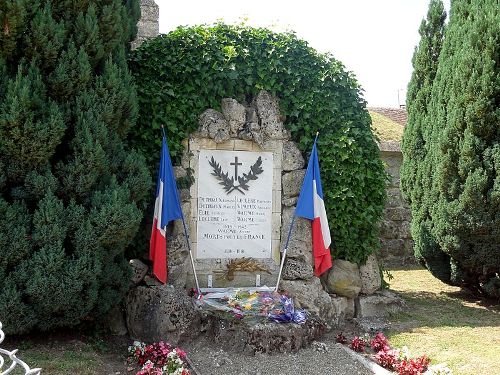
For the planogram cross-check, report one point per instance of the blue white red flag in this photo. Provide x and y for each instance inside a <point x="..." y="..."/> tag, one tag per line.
<point x="311" y="206"/>
<point x="167" y="208"/>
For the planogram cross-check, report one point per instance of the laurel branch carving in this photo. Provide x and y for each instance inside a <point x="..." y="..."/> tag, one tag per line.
<point x="228" y="183"/>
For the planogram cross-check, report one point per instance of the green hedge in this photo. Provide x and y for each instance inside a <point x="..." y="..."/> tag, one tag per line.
<point x="181" y="74"/>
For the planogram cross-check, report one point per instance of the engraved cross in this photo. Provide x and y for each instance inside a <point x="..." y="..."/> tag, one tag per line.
<point x="236" y="167"/>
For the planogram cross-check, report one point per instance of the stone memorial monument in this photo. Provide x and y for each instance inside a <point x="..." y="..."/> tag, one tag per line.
<point x="235" y="200"/>
<point x="246" y="176"/>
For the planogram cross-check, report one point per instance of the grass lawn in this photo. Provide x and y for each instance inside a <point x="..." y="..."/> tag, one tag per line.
<point x="70" y="353"/>
<point x="446" y="323"/>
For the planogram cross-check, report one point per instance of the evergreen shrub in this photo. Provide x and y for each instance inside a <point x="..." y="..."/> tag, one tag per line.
<point x="452" y="147"/>
<point x="181" y="74"/>
<point x="71" y="191"/>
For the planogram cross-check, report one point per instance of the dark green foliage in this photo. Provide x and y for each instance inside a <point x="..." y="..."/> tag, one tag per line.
<point x="71" y="192"/>
<point x="455" y="189"/>
<point x="181" y="74"/>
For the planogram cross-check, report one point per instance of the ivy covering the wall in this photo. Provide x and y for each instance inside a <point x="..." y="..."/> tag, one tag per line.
<point x="182" y="73"/>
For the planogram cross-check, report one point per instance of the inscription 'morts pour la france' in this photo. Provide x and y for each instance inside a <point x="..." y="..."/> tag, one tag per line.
<point x="234" y="210"/>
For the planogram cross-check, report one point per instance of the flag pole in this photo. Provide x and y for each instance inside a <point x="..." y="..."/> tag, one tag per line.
<point x="186" y="235"/>
<point x="288" y="239"/>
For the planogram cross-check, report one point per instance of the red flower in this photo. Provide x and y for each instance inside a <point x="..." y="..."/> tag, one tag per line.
<point x="379" y="342"/>
<point x="341" y="338"/>
<point x="387" y="358"/>
<point x="358" y="344"/>
<point x="413" y="366"/>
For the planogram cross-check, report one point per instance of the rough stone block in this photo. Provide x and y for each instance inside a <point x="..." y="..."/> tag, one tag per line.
<point x="289" y="202"/>
<point x="389" y="229"/>
<point x="340" y="307"/>
<point x="309" y="295"/>
<point x="177" y="249"/>
<point x="394" y="214"/>
<point x="393" y="247"/>
<point x="379" y="304"/>
<point x="292" y="157"/>
<point x="266" y="337"/>
<point x="150" y="13"/>
<point x="235" y="114"/>
<point x="147" y="28"/>
<point x="291" y="182"/>
<point x="177" y="274"/>
<point x="350" y="311"/>
<point x="297" y="269"/>
<point x="214" y="125"/>
<point x="268" y="112"/>
<point x="408" y="247"/>
<point x="139" y="270"/>
<point x="344" y="279"/>
<point x="300" y="244"/>
<point x="370" y="275"/>
<point x="406" y="214"/>
<point x="159" y="312"/>
<point x="404" y="230"/>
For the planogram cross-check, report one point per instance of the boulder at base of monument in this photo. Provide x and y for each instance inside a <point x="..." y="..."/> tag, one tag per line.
<point x="309" y="295"/>
<point x="158" y="313"/>
<point x="343" y="279"/>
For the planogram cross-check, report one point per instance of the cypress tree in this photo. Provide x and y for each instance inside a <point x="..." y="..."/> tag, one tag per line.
<point x="458" y="238"/>
<point x="71" y="192"/>
<point x="416" y="141"/>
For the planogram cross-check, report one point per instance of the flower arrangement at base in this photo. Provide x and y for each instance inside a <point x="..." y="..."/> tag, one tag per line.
<point x="159" y="358"/>
<point x="397" y="360"/>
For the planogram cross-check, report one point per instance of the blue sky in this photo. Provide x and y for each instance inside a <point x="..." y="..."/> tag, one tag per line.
<point x="375" y="39"/>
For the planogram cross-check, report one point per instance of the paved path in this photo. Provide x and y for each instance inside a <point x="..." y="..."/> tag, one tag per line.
<point x="312" y="361"/>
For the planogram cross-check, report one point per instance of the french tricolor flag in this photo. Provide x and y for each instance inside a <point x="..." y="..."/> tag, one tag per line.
<point x="167" y="208"/>
<point x="311" y="206"/>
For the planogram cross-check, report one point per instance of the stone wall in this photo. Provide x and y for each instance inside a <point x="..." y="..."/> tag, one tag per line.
<point x="148" y="25"/>
<point x="395" y="236"/>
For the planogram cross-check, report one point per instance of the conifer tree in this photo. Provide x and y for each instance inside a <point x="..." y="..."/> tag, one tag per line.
<point x="457" y="235"/>
<point x="416" y="142"/>
<point x="71" y="192"/>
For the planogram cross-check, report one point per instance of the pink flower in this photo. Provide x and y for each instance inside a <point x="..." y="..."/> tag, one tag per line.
<point x="181" y="353"/>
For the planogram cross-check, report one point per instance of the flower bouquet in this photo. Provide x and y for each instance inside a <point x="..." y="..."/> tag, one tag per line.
<point x="158" y="358"/>
<point x="235" y="304"/>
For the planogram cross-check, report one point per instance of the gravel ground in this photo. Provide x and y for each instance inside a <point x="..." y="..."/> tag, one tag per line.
<point x="322" y="358"/>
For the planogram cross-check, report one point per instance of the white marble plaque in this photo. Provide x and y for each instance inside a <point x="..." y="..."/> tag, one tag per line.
<point x="234" y="204"/>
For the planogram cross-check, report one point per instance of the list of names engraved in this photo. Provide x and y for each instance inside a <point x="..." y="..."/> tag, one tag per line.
<point x="234" y="204"/>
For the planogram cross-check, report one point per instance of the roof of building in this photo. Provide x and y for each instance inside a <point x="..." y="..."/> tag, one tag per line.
<point x="385" y="128"/>
<point x="398" y="115"/>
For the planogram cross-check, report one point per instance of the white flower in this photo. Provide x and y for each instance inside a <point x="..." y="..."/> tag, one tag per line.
<point x="179" y="361"/>
<point x="439" y="369"/>
<point x="404" y="353"/>
<point x="178" y="371"/>
<point x="172" y="355"/>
